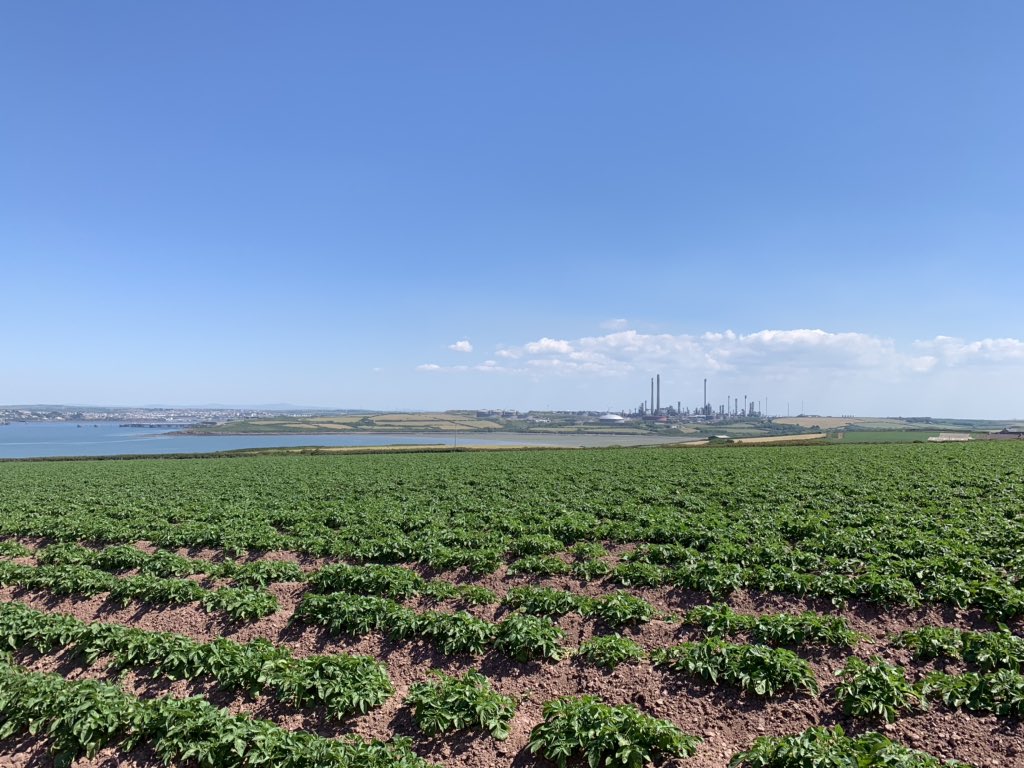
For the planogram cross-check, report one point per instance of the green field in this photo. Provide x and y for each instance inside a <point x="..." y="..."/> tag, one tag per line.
<point x="742" y="509"/>
<point x="887" y="436"/>
<point x="373" y="422"/>
<point x="319" y="592"/>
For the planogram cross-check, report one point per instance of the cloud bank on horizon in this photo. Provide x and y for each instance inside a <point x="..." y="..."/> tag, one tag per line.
<point x="835" y="366"/>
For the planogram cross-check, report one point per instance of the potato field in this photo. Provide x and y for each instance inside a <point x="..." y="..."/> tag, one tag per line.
<point x="845" y="606"/>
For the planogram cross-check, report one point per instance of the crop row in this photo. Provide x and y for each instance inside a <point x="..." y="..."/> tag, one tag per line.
<point x="839" y="579"/>
<point x="524" y="637"/>
<point x="820" y="747"/>
<point x="585" y="730"/>
<point x="760" y="669"/>
<point x="165" y="564"/>
<point x="881" y="690"/>
<point x="386" y="580"/>
<point x="985" y="650"/>
<point x="648" y="565"/>
<point x="520" y="636"/>
<point x="341" y="683"/>
<point x="617" y="609"/>
<point x="892" y="524"/>
<point x="773" y="629"/>
<point x="241" y="603"/>
<point x="80" y="718"/>
<point x="717" y="572"/>
<point x="393" y="581"/>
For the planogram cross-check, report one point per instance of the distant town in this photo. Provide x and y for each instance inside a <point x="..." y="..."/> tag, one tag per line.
<point x="737" y="420"/>
<point x="141" y="416"/>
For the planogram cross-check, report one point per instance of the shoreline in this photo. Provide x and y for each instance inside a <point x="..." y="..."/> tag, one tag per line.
<point x="554" y="440"/>
<point x="412" y="432"/>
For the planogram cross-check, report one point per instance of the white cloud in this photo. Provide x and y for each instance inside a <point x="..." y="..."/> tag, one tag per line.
<point x="487" y="366"/>
<point x="491" y="366"/>
<point x="548" y="346"/>
<point x="765" y="352"/>
<point x="615" y="324"/>
<point x="822" y="371"/>
<point x="461" y="346"/>
<point x="954" y="351"/>
<point x="834" y="366"/>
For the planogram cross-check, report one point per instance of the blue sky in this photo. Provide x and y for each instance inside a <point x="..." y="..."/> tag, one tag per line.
<point x="314" y="202"/>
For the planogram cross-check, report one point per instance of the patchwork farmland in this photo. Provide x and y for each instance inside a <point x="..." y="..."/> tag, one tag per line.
<point x="758" y="607"/>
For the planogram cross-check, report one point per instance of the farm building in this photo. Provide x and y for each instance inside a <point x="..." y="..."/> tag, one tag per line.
<point x="950" y="437"/>
<point x="1008" y="433"/>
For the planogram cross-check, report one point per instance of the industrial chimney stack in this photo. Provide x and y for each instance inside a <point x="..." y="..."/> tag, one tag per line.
<point x="657" y="407"/>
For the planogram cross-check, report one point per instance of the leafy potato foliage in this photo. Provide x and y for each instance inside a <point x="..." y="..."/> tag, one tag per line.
<point x="987" y="651"/>
<point x="609" y="651"/>
<point x="606" y="735"/>
<point x="998" y="693"/>
<point x="341" y="683"/>
<point x="759" y="669"/>
<point x="773" y="629"/>
<point x="820" y="747"/>
<point x="450" y="703"/>
<point x="875" y="689"/>
<point x="892" y="524"/>
<point x="83" y="717"/>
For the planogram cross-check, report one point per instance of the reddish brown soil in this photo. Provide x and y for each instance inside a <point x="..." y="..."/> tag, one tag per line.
<point x="727" y="720"/>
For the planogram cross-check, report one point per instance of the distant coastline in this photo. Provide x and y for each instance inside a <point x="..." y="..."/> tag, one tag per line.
<point x="551" y="439"/>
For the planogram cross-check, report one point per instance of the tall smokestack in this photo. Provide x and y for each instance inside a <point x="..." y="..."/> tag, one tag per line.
<point x="652" y="394"/>
<point x="657" y="407"/>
